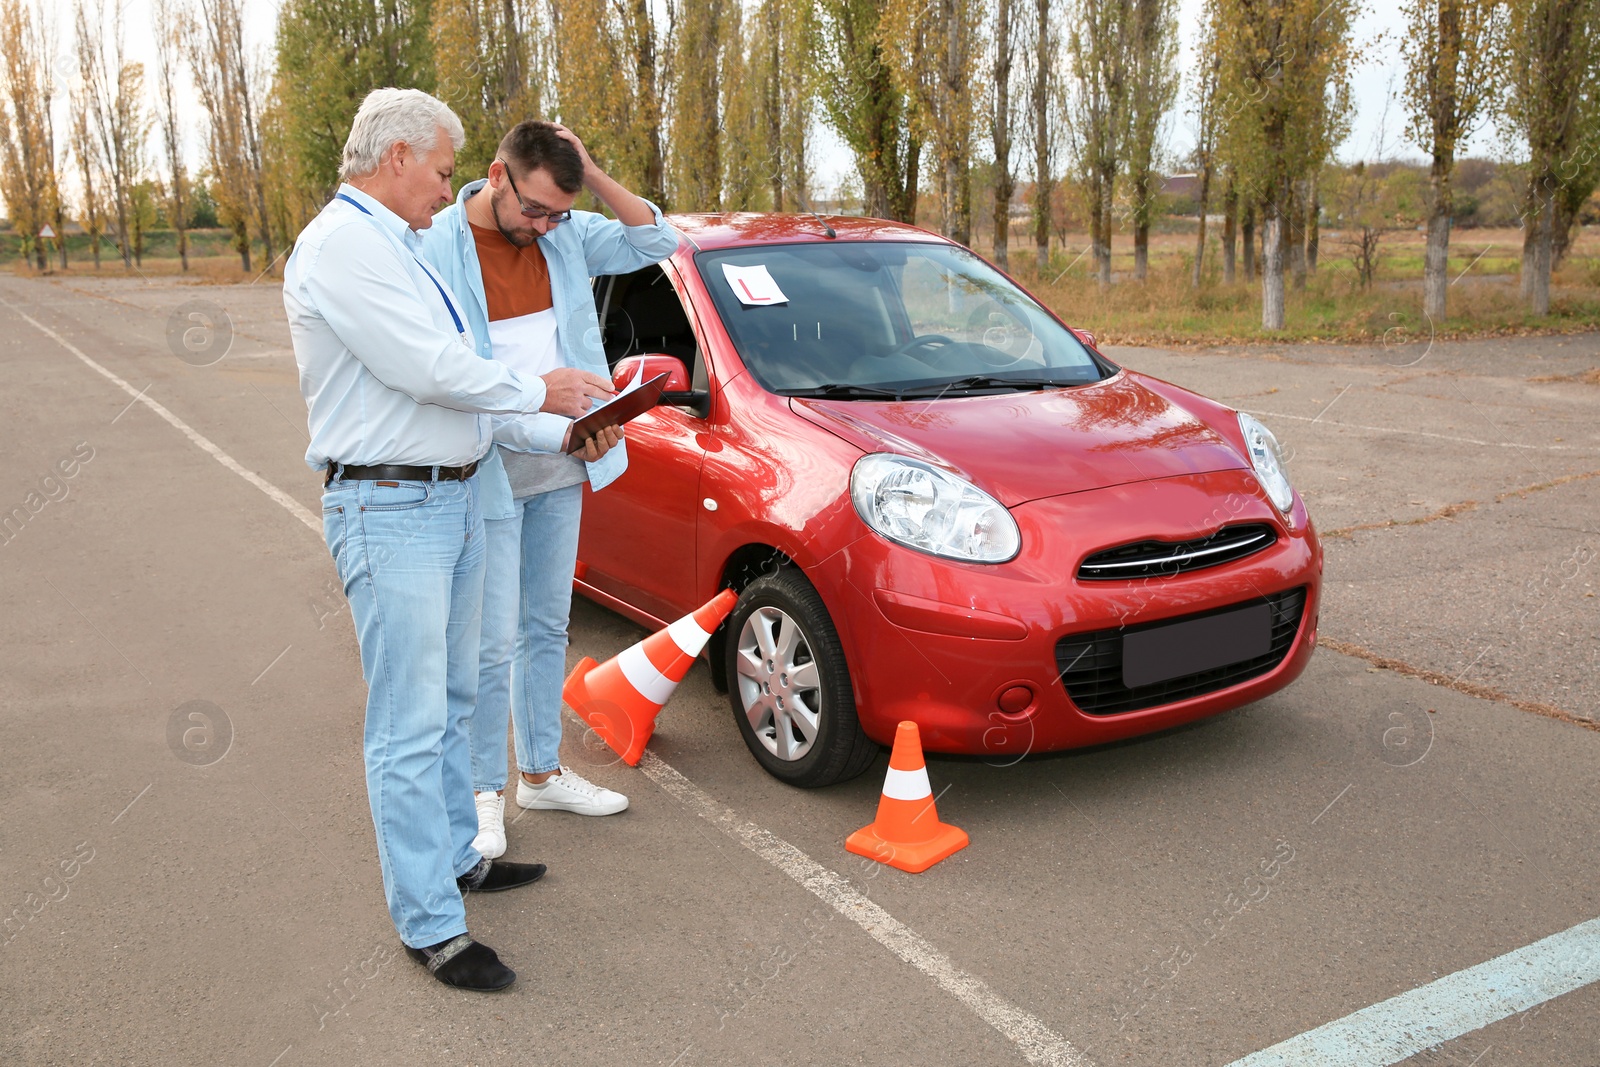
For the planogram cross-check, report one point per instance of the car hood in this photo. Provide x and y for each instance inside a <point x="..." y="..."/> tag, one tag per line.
<point x="1025" y="446"/>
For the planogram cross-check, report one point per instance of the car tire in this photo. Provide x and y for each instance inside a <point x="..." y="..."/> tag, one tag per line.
<point x="787" y="678"/>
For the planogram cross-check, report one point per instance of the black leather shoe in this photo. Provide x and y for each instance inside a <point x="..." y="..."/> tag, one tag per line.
<point x="465" y="964"/>
<point x="501" y="874"/>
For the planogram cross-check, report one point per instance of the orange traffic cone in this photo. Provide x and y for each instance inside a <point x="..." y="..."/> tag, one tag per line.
<point x="907" y="832"/>
<point x="619" y="699"/>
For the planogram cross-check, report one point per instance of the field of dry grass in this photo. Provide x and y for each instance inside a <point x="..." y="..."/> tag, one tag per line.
<point x="1484" y="298"/>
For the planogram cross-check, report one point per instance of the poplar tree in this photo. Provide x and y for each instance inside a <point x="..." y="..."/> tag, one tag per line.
<point x="1452" y="51"/>
<point x="488" y="61"/>
<point x="231" y="90"/>
<point x="697" y="106"/>
<point x="1002" y="115"/>
<point x="1099" y="45"/>
<point x="1285" y="80"/>
<point x="1152" y="90"/>
<point x="169" y="30"/>
<point x="1043" y="94"/>
<point x="27" y="133"/>
<point x="933" y="51"/>
<point x="867" y="108"/>
<point x="330" y="54"/>
<point x="1554" y="103"/>
<point x="113" y="92"/>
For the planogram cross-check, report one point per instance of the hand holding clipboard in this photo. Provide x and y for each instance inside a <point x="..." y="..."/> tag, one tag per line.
<point x="627" y="405"/>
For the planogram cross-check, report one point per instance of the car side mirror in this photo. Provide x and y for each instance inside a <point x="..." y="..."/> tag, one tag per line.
<point x="643" y="368"/>
<point x="677" y="392"/>
<point x="1085" y="336"/>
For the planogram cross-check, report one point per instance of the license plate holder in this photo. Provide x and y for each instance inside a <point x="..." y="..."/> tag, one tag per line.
<point x="1176" y="649"/>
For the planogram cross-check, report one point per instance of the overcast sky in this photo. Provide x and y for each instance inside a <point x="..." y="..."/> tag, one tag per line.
<point x="1377" y="126"/>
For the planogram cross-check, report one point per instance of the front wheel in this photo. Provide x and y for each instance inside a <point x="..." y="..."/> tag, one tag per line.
<point x="789" y="686"/>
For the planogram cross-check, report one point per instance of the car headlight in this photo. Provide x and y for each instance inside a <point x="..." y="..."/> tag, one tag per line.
<point x="1266" y="456"/>
<point x="923" y="507"/>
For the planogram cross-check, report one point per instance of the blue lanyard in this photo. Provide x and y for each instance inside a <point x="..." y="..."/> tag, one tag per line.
<point x="448" y="303"/>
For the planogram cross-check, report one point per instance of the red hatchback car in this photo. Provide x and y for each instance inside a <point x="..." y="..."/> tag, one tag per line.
<point x="937" y="501"/>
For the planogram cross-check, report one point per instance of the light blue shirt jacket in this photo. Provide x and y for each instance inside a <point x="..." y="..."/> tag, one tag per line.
<point x="588" y="245"/>
<point x="386" y="376"/>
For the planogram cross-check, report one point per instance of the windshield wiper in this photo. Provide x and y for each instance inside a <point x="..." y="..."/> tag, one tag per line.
<point x="982" y="381"/>
<point x="835" y="391"/>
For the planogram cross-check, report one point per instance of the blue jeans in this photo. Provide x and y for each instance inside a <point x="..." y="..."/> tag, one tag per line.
<point x="527" y="598"/>
<point x="410" y="555"/>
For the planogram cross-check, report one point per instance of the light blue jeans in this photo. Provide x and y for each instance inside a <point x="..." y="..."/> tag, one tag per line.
<point x="527" y="599"/>
<point x="410" y="555"/>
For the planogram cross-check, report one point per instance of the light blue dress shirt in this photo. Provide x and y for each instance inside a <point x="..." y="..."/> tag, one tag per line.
<point x="588" y="245"/>
<point x="385" y="375"/>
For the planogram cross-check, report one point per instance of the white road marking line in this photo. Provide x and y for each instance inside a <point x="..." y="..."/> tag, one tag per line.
<point x="1441" y="1011"/>
<point x="1036" y="1041"/>
<point x="289" y="503"/>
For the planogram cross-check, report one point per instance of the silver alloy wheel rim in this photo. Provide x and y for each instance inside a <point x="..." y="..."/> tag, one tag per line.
<point x="779" y="685"/>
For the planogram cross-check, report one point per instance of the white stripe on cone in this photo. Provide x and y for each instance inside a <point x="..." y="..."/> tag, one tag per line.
<point x="688" y="635"/>
<point x="643" y="675"/>
<point x="907" y="785"/>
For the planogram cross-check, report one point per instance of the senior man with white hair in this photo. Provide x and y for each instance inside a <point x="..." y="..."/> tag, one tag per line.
<point x="399" y="405"/>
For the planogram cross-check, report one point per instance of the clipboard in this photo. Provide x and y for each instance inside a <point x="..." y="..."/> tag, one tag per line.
<point x="623" y="407"/>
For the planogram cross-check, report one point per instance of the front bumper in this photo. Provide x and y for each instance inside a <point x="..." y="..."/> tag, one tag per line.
<point x="970" y="651"/>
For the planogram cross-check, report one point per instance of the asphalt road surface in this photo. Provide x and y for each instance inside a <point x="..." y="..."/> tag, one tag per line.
<point x="1421" y="802"/>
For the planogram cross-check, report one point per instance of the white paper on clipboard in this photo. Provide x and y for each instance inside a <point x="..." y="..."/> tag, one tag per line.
<point x="753" y="285"/>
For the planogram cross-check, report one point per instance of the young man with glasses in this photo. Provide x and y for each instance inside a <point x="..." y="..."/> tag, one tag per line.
<point x="521" y="259"/>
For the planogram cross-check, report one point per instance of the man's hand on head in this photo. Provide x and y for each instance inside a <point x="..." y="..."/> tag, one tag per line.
<point x="567" y="391"/>
<point x="583" y="153"/>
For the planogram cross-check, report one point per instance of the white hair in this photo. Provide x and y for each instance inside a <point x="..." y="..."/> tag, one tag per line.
<point x="389" y="116"/>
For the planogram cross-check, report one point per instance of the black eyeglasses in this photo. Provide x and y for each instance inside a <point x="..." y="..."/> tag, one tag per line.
<point x="552" y="217"/>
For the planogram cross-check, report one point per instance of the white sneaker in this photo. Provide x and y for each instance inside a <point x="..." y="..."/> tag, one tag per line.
<point x="569" y="791"/>
<point x="491" y="839"/>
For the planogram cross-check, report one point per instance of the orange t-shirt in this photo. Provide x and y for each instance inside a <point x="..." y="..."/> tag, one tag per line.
<point x="516" y="281"/>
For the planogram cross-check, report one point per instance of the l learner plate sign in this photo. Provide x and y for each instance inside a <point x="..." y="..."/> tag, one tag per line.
<point x="1182" y="648"/>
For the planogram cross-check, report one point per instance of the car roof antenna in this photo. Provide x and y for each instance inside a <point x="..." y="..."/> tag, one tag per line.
<point x="805" y="203"/>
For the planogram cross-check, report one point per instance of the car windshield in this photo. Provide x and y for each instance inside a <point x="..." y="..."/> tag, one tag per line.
<point x="887" y="320"/>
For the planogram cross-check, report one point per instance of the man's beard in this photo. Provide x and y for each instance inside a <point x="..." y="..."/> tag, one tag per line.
<point x="519" y="240"/>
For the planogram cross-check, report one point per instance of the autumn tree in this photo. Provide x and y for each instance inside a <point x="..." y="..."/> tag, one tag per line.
<point x="1040" y="68"/>
<point x="27" y="134"/>
<point x="329" y="55"/>
<point x="1152" y="89"/>
<point x="1002" y="118"/>
<point x="1554" y="103"/>
<point x="1099" y="48"/>
<point x="489" y="62"/>
<point x="82" y="148"/>
<point x="1285" y="71"/>
<point x="114" y="95"/>
<point x="1452" y="52"/>
<point x="787" y="29"/>
<point x="1206" y="118"/>
<point x="170" y="26"/>
<point x="610" y="83"/>
<point x="231" y="87"/>
<point x="697" y="105"/>
<point x="865" y="106"/>
<point x="933" y="51"/>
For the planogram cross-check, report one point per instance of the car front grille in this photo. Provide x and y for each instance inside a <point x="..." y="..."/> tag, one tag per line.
<point x="1091" y="664"/>
<point x="1157" y="559"/>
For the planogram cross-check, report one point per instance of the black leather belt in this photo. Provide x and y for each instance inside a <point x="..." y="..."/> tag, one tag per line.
<point x="393" y="472"/>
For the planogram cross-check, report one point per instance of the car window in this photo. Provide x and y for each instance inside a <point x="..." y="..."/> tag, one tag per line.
<point x="887" y="316"/>
<point x="642" y="313"/>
